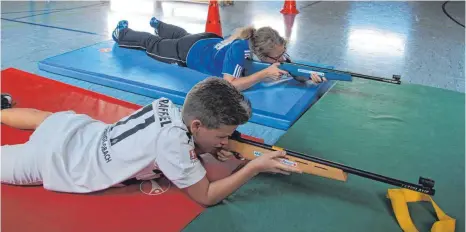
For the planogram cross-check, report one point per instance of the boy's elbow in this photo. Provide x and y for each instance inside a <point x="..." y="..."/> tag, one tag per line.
<point x="201" y="193"/>
<point x="207" y="202"/>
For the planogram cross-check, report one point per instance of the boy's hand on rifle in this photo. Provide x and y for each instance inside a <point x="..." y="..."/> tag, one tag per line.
<point x="269" y="162"/>
<point x="224" y="155"/>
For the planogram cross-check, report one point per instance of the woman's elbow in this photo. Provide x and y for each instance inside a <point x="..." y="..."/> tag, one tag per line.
<point x="235" y="83"/>
<point x="229" y="78"/>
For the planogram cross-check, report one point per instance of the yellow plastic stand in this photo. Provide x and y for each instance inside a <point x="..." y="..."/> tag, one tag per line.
<point x="400" y="198"/>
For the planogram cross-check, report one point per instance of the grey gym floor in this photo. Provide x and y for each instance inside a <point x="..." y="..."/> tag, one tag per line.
<point x="413" y="39"/>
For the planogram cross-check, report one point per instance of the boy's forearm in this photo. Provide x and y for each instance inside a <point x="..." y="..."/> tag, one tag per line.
<point x="221" y="189"/>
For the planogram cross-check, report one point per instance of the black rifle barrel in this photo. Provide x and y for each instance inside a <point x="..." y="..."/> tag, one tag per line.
<point x="394" y="80"/>
<point x="425" y="185"/>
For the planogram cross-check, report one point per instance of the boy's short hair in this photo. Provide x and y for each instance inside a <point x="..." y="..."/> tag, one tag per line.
<point x="216" y="102"/>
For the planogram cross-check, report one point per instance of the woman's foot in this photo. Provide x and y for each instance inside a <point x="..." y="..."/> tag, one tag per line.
<point x="120" y="26"/>
<point x="154" y="23"/>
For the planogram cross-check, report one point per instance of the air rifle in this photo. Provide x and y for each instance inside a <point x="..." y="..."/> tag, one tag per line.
<point x="301" y="72"/>
<point x="245" y="148"/>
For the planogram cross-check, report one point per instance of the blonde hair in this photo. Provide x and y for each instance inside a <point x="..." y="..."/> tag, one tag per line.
<point x="261" y="41"/>
<point x="241" y="33"/>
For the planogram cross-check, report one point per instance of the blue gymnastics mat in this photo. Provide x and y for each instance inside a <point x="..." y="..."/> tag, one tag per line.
<point x="277" y="106"/>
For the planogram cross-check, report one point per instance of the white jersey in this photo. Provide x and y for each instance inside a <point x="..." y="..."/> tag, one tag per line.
<point x="94" y="156"/>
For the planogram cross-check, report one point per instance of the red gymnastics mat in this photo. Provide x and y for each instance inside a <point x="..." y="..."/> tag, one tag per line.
<point x="149" y="206"/>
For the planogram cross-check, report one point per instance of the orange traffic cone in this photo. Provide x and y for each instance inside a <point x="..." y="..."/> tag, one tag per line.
<point x="213" y="24"/>
<point x="289" y="21"/>
<point x="289" y="7"/>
